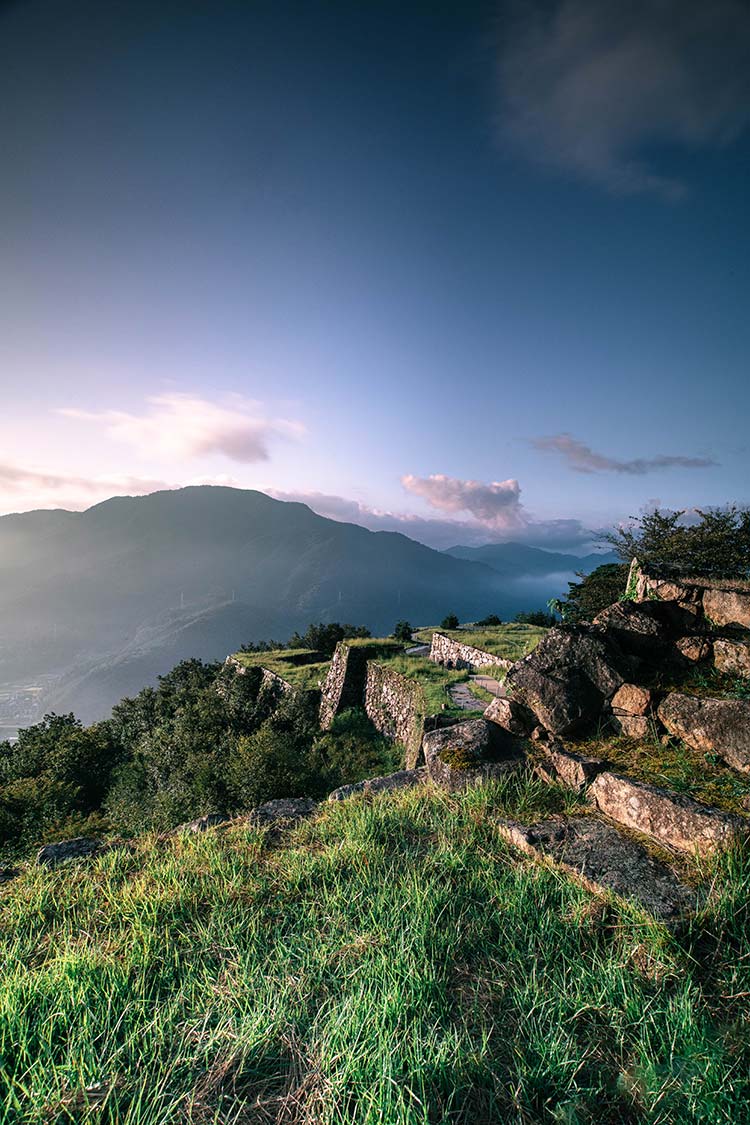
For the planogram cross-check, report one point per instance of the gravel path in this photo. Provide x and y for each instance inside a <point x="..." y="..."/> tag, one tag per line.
<point x="463" y="697"/>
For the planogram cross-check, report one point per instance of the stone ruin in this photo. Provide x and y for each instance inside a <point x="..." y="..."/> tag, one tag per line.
<point x="579" y="679"/>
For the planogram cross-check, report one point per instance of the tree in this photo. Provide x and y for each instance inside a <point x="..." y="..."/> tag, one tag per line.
<point x="403" y="631"/>
<point x="541" y="617"/>
<point x="716" y="543"/>
<point x="490" y="620"/>
<point x="593" y="593"/>
<point x="324" y="638"/>
<point x="449" y="622"/>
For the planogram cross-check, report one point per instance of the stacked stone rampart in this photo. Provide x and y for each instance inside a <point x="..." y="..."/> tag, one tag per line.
<point x="344" y="686"/>
<point x="455" y="654"/>
<point x="719" y="602"/>
<point x="396" y="707"/>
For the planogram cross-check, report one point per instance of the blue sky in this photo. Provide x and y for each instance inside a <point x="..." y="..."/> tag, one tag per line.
<point x="473" y="271"/>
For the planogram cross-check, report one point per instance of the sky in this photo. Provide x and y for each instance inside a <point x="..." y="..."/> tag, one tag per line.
<point x="471" y="271"/>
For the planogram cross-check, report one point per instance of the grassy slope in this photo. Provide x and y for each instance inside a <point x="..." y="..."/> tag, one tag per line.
<point x="392" y="964"/>
<point x="306" y="677"/>
<point x="509" y="641"/>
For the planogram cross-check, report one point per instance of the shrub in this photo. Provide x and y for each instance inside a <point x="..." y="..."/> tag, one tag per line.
<point x="352" y="749"/>
<point x="490" y="620"/>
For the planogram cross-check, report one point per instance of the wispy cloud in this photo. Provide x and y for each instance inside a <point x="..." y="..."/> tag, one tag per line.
<point x="560" y="534"/>
<point x="583" y="459"/>
<point x="22" y="488"/>
<point x="179" y="427"/>
<point x="586" y="85"/>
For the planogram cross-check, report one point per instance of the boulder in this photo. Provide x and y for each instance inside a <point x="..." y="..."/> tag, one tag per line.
<point x="556" y="764"/>
<point x="671" y="818"/>
<point x="285" y="811"/>
<point x="645" y="587"/>
<point x="633" y="726"/>
<point x="469" y="752"/>
<point x="717" y="726"/>
<point x="403" y="779"/>
<point x="568" y="679"/>
<point x="693" y="649"/>
<point x="511" y="716"/>
<point x="631" y="706"/>
<point x="727" y="607"/>
<point x="636" y="628"/>
<point x="51" y="855"/>
<point x="733" y="657"/>
<point x="631" y="699"/>
<point x="603" y="859"/>
<point x="8" y="873"/>
<point x="203" y="823"/>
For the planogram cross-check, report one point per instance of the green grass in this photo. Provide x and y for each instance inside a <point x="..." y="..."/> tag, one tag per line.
<point x="433" y="678"/>
<point x="393" y="963"/>
<point x="374" y="642"/>
<point x="673" y="766"/>
<point x="508" y="641"/>
<point x="287" y="663"/>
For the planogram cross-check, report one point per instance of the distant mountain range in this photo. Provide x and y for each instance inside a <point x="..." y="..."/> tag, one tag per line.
<point x="105" y="600"/>
<point x="514" y="559"/>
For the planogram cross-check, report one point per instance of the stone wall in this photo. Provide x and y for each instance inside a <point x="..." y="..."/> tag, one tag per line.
<point x="453" y="654"/>
<point x="344" y="686"/>
<point x="396" y="707"/>
<point x="272" y="681"/>
<point x="723" y="603"/>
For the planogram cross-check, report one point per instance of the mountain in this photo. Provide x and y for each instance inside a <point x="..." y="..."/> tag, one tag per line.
<point x="95" y="604"/>
<point x="515" y="559"/>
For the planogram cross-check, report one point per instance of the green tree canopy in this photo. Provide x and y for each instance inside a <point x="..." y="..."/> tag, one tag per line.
<point x="716" y="542"/>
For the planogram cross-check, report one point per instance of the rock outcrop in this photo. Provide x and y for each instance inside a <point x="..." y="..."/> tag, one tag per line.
<point x="402" y="779"/>
<point x="671" y="818"/>
<point x="511" y="716"/>
<point x="732" y="657"/>
<point x="469" y="752"/>
<point x="556" y="764"/>
<point x="569" y="678"/>
<point x="605" y="860"/>
<point x="632" y="708"/>
<point x="51" y="855"/>
<point x="284" y="812"/>
<point x="202" y="823"/>
<point x="717" y="726"/>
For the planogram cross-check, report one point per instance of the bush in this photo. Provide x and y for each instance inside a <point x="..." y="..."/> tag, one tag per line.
<point x="58" y="771"/>
<point x="277" y="759"/>
<point x="449" y="622"/>
<point x="491" y="620"/>
<point x="352" y="749"/>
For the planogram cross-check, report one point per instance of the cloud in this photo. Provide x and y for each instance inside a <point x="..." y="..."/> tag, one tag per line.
<point x="180" y="426"/>
<point x="496" y="504"/>
<point x="22" y="488"/>
<point x="587" y="85"/>
<point x="582" y="459"/>
<point x="560" y="534"/>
